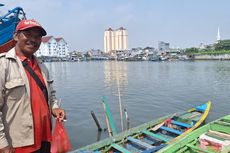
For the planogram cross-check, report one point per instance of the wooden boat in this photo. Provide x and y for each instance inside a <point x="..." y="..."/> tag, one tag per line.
<point x="211" y="138"/>
<point x="8" y="23"/>
<point x="154" y="135"/>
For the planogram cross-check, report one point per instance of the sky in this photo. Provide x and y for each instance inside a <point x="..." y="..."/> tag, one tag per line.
<point x="182" y="23"/>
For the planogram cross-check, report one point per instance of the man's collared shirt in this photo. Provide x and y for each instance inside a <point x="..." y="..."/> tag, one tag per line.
<point x="40" y="110"/>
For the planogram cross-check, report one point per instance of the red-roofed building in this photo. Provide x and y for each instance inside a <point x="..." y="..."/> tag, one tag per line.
<point x="53" y="47"/>
<point x="46" y="39"/>
<point x="58" y="39"/>
<point x="62" y="46"/>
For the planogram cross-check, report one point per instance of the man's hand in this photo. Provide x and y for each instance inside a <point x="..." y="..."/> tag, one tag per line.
<point x="58" y="113"/>
<point x="7" y="149"/>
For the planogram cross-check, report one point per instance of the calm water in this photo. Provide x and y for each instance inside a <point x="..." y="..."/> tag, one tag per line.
<point x="148" y="90"/>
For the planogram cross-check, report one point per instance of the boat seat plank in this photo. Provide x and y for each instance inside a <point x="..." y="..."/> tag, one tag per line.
<point x="225" y="120"/>
<point x="155" y="135"/>
<point x="198" y="149"/>
<point x="154" y="149"/>
<point x="132" y="147"/>
<point x="171" y="130"/>
<point x="196" y="119"/>
<point x="181" y="124"/>
<point x="149" y="140"/>
<point x="223" y="123"/>
<point x="190" y="115"/>
<point x="139" y="143"/>
<point x="219" y="134"/>
<point x="119" y="148"/>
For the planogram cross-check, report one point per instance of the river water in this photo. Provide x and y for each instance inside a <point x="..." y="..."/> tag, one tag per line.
<point x="147" y="90"/>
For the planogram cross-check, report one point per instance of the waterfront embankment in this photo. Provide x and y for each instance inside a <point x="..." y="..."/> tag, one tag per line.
<point x="212" y="57"/>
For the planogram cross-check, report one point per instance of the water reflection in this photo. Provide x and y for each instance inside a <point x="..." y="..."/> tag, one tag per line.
<point x="116" y="77"/>
<point x="115" y="71"/>
<point x="59" y="69"/>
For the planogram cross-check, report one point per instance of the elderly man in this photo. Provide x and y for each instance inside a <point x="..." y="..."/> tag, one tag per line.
<point x="27" y="98"/>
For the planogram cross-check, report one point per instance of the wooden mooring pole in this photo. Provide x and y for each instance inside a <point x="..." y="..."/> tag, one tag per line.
<point x="127" y="119"/>
<point x="96" y="121"/>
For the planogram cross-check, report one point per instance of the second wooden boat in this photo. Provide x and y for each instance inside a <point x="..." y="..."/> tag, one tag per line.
<point x="211" y="138"/>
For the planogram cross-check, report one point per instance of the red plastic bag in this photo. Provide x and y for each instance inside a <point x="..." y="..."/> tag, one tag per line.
<point x="60" y="141"/>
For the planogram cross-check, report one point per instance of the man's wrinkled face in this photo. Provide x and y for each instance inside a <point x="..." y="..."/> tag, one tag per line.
<point x="28" y="41"/>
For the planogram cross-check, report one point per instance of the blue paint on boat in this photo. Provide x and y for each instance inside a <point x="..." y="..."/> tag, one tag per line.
<point x="154" y="149"/>
<point x="171" y="130"/>
<point x="202" y="108"/>
<point x="181" y="124"/>
<point x="8" y="23"/>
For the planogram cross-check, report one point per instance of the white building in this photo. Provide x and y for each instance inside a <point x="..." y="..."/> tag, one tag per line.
<point x="109" y="40"/>
<point x="163" y="46"/>
<point x="53" y="47"/>
<point x="218" y="36"/>
<point x="62" y="47"/>
<point x="115" y="40"/>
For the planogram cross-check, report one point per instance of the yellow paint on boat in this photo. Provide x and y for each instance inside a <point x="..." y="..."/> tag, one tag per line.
<point x="202" y="119"/>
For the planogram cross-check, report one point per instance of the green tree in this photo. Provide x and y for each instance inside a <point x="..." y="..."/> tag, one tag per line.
<point x="192" y="50"/>
<point x="223" y="45"/>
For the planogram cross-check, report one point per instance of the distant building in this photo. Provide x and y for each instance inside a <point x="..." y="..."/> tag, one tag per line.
<point x="95" y="52"/>
<point x="202" y="46"/>
<point x="62" y="47"/>
<point x="115" y="40"/>
<point x="109" y="40"/>
<point x="53" y="47"/>
<point x="218" y="35"/>
<point x="163" y="46"/>
<point x="149" y="49"/>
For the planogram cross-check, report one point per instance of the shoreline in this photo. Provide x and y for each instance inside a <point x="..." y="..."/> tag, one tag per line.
<point x="212" y="57"/>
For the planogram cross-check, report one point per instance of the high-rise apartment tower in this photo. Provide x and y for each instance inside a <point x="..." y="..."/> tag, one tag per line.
<point x="115" y="39"/>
